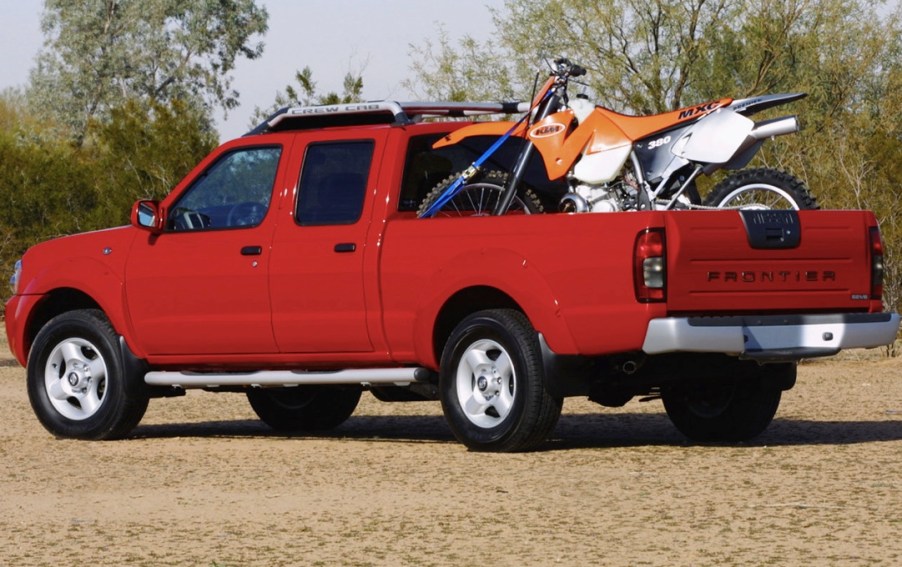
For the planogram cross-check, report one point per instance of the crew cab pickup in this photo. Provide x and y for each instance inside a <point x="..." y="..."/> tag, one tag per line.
<point x="290" y="265"/>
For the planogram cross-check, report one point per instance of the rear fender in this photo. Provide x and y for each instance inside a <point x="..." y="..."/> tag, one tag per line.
<point x="505" y="271"/>
<point x="749" y="106"/>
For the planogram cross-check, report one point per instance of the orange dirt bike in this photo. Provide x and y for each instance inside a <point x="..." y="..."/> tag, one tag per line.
<point x="613" y="162"/>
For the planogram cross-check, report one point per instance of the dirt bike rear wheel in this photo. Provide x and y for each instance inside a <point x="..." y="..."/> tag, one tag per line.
<point x="479" y="197"/>
<point x="761" y="188"/>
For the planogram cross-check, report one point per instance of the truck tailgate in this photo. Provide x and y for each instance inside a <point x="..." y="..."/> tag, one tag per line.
<point x="722" y="262"/>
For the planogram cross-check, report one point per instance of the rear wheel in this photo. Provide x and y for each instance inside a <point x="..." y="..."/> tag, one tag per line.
<point x="732" y="410"/>
<point x="77" y="382"/>
<point x="479" y="197"/>
<point x="492" y="383"/>
<point x="304" y="408"/>
<point x="762" y="188"/>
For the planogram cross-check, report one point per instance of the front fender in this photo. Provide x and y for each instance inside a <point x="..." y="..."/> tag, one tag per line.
<point x="88" y="276"/>
<point x="496" y="129"/>
<point x="91" y="264"/>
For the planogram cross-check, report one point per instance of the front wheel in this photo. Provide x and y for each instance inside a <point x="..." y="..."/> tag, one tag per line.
<point x="479" y="197"/>
<point x="492" y="383"/>
<point x="763" y="189"/>
<point x="304" y="408"/>
<point x="77" y="383"/>
<point x="736" y="409"/>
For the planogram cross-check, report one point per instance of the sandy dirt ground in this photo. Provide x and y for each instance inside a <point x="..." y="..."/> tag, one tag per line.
<point x="202" y="482"/>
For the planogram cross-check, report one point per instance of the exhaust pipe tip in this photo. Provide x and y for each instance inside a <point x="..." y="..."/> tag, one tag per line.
<point x="775" y="127"/>
<point x="629" y="367"/>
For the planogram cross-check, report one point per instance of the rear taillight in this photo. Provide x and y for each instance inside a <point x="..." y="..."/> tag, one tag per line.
<point x="877" y="267"/>
<point x="650" y="266"/>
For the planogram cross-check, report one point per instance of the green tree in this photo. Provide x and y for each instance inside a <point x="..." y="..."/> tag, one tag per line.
<point x="142" y="152"/>
<point x="472" y="71"/>
<point x="45" y="188"/>
<point x="306" y="94"/>
<point x="646" y="56"/>
<point x="100" y="53"/>
<point x="50" y="187"/>
<point x="640" y="54"/>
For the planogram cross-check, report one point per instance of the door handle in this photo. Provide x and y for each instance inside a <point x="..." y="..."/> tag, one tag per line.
<point x="345" y="247"/>
<point x="252" y="251"/>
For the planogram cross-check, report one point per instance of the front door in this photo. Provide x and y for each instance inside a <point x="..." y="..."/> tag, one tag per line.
<point x="201" y="287"/>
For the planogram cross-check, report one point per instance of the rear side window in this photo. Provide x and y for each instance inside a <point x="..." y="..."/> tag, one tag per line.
<point x="333" y="182"/>
<point x="426" y="167"/>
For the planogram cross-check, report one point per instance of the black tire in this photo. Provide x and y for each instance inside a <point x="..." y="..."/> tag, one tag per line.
<point x="497" y="400"/>
<point x="479" y="197"/>
<point x="304" y="408"/>
<point x="77" y="383"/>
<point x="730" y="411"/>
<point x="762" y="188"/>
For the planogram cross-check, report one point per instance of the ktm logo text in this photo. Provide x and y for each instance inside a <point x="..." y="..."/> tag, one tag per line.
<point x="546" y="130"/>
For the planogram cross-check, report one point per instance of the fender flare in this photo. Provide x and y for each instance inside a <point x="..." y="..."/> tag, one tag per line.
<point x="502" y="270"/>
<point x="105" y="288"/>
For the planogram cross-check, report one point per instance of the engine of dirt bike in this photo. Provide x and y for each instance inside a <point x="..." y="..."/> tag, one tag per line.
<point x="621" y="194"/>
<point x="605" y="198"/>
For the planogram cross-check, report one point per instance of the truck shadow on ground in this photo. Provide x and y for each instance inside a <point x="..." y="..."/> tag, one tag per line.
<point x="574" y="431"/>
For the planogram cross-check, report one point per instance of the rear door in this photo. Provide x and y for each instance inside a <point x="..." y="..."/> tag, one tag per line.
<point x="323" y="271"/>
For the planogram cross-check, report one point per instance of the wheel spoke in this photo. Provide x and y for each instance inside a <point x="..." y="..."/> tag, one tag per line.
<point x="480" y="199"/>
<point x="89" y="401"/>
<point x="504" y="367"/>
<point x="56" y="390"/>
<point x="503" y="402"/>
<point x="761" y="196"/>
<point x="71" y="351"/>
<point x="474" y="405"/>
<point x="98" y="369"/>
<point x="476" y="358"/>
<point x="473" y="206"/>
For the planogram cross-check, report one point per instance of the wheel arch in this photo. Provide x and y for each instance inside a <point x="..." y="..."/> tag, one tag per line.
<point x="60" y="277"/>
<point x="55" y="302"/>
<point x="523" y="290"/>
<point x="463" y="303"/>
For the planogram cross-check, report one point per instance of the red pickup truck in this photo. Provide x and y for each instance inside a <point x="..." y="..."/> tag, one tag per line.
<point x="290" y="265"/>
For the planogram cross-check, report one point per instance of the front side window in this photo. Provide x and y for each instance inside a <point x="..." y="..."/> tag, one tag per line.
<point x="234" y="192"/>
<point x="333" y="182"/>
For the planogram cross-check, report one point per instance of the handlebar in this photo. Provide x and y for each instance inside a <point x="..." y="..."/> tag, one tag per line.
<point x="565" y="68"/>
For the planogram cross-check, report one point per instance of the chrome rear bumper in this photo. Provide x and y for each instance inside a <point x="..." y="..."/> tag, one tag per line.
<point x="772" y="337"/>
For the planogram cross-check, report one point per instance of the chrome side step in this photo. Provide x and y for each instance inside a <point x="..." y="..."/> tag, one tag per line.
<point x="363" y="376"/>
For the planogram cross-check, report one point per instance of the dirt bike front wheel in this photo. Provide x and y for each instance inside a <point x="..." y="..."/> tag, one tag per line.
<point x="761" y="188"/>
<point x="479" y="197"/>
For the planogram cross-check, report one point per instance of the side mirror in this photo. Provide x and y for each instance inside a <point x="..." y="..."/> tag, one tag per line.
<point x="147" y="215"/>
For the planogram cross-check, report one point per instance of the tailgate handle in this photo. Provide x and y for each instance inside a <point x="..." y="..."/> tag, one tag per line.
<point x="772" y="229"/>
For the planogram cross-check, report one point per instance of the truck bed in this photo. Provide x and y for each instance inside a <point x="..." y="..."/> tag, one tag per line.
<point x="574" y="274"/>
